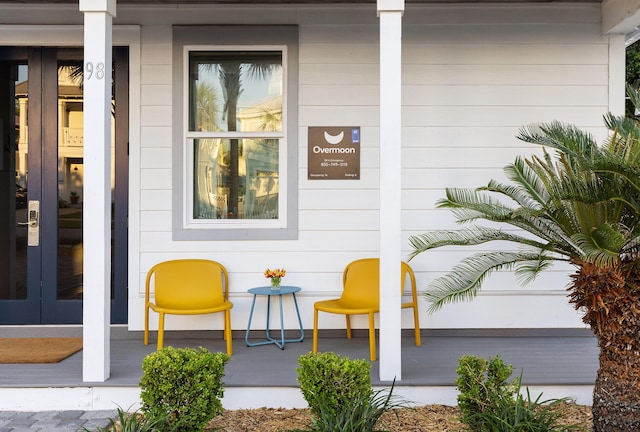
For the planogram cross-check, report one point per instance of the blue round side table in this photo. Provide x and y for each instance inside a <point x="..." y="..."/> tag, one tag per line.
<point x="269" y="292"/>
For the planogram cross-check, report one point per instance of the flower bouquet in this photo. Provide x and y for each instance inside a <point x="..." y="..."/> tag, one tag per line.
<point x="275" y="275"/>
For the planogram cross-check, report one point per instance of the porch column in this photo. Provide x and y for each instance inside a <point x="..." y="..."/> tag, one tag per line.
<point x="390" y="14"/>
<point x="98" y="16"/>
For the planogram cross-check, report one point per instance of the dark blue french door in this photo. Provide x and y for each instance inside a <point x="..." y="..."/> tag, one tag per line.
<point x="41" y="185"/>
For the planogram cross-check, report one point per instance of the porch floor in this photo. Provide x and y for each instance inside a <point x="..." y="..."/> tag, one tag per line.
<point x="563" y="357"/>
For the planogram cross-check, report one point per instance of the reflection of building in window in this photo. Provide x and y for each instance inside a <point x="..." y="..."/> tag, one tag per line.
<point x="70" y="130"/>
<point x="265" y="201"/>
<point x="261" y="156"/>
<point x="258" y="179"/>
<point x="219" y="204"/>
<point x="264" y="116"/>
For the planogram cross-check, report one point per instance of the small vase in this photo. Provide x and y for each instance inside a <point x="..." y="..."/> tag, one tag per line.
<point x="275" y="283"/>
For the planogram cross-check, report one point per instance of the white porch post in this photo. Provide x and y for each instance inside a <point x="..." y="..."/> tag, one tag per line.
<point x="98" y="16"/>
<point x="390" y="14"/>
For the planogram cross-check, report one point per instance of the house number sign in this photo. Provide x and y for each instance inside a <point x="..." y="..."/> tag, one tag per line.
<point x="334" y="153"/>
<point x="96" y="71"/>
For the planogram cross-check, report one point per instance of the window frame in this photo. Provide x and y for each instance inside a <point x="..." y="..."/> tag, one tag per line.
<point x="192" y="136"/>
<point x="188" y="39"/>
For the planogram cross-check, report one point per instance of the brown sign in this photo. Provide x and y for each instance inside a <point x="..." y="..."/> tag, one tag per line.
<point x="334" y="153"/>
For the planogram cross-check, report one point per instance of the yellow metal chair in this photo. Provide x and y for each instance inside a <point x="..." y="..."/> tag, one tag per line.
<point x="361" y="295"/>
<point x="187" y="287"/>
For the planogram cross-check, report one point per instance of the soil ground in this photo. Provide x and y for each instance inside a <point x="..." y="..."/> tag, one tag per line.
<point x="428" y="418"/>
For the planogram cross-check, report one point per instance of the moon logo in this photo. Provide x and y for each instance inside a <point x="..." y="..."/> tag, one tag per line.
<point x="333" y="139"/>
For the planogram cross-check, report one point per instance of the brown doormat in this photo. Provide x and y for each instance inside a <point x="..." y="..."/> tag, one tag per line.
<point x="37" y="350"/>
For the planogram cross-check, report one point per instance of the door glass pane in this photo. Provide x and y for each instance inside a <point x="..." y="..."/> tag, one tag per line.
<point x="70" y="179"/>
<point x="14" y="286"/>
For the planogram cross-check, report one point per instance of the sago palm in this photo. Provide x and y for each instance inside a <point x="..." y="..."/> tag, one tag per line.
<point x="577" y="202"/>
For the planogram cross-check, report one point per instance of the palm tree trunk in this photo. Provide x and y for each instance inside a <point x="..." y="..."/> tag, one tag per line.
<point x="616" y="396"/>
<point x="233" y="87"/>
<point x="611" y="299"/>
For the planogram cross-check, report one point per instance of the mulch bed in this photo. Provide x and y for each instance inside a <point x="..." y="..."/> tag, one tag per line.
<point x="428" y="418"/>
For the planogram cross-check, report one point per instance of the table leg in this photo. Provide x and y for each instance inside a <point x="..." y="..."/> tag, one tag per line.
<point x="281" y="326"/>
<point x="279" y="342"/>
<point x="268" y="317"/>
<point x="269" y="340"/>
<point x="295" y="302"/>
<point x="246" y="336"/>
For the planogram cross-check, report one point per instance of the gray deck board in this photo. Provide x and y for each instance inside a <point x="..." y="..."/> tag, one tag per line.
<point x="544" y="357"/>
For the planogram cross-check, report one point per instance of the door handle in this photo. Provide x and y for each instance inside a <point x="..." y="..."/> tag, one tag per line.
<point x="33" y="232"/>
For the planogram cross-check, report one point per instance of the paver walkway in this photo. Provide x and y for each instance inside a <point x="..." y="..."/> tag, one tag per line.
<point x="55" y="421"/>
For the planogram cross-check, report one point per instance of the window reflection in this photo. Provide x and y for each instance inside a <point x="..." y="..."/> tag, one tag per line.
<point x="256" y="184"/>
<point x="235" y="100"/>
<point x="235" y="91"/>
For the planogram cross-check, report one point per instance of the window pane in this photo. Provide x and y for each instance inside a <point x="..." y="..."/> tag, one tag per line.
<point x="236" y="179"/>
<point x="235" y="91"/>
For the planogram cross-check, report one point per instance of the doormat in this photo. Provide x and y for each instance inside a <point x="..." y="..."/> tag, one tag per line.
<point x="37" y="350"/>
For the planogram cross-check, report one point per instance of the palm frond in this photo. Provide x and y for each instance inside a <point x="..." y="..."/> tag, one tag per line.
<point x="603" y="245"/>
<point x="471" y="204"/>
<point x="624" y="140"/>
<point x="262" y="69"/>
<point x="527" y="270"/>
<point x="529" y="191"/>
<point x="467" y="237"/>
<point x="552" y="227"/>
<point x="463" y="282"/>
<point x="565" y="138"/>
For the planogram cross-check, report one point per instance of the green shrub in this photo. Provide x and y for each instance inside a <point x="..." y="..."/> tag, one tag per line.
<point x="183" y="385"/>
<point x="328" y="381"/>
<point x="481" y="384"/>
<point x="489" y="403"/>
<point x="359" y="414"/>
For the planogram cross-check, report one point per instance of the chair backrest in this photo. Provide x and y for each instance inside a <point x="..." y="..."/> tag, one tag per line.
<point x="361" y="282"/>
<point x="407" y="272"/>
<point x="189" y="284"/>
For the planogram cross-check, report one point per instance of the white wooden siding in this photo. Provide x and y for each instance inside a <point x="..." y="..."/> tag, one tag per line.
<point x="472" y="77"/>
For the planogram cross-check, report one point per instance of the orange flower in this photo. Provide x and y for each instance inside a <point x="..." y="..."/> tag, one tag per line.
<point x="275" y="273"/>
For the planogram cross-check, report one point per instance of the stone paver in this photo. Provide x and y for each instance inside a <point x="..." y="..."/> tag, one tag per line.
<point x="55" y="421"/>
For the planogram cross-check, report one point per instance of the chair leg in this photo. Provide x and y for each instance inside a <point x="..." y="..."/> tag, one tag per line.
<point x="227" y="331"/>
<point x="372" y="338"/>
<point x="315" y="330"/>
<point x="348" y="318"/>
<point x="146" y="325"/>
<point x="160" y="330"/>
<point x="416" y="323"/>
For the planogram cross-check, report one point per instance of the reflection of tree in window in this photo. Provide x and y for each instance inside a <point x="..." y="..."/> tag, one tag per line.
<point x="230" y="74"/>
<point x="207" y="106"/>
<point x="272" y="120"/>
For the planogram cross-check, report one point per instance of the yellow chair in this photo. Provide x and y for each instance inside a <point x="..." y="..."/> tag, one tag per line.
<point x="187" y="287"/>
<point x="361" y="295"/>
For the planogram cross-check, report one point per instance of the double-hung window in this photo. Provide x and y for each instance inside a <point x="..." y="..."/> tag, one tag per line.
<point x="237" y="140"/>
